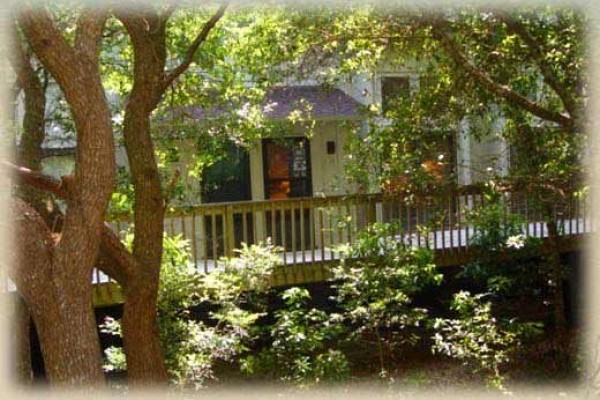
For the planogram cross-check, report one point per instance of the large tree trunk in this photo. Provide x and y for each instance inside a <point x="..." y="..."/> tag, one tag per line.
<point x="21" y="344"/>
<point x="54" y="271"/>
<point x="62" y="311"/>
<point x="147" y="29"/>
<point x="145" y="361"/>
<point x="30" y="156"/>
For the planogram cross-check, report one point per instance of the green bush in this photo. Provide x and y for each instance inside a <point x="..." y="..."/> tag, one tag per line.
<point x="192" y="347"/>
<point x="300" y="349"/>
<point x="376" y="282"/>
<point x="478" y="339"/>
<point x="505" y="262"/>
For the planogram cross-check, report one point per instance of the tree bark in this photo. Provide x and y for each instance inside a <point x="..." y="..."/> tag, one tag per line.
<point x="33" y="133"/>
<point x="29" y="155"/>
<point x="147" y="30"/>
<point x="22" y="344"/>
<point x="61" y="311"/>
<point x="54" y="271"/>
<point x="145" y="360"/>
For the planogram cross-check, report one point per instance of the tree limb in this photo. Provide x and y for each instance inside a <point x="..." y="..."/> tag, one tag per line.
<point x="535" y="51"/>
<point x="46" y="39"/>
<point x="441" y="34"/>
<point x="25" y="176"/>
<point x="191" y="51"/>
<point x="122" y="267"/>
<point x="89" y="32"/>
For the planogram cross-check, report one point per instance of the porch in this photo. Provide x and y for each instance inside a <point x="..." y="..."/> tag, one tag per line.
<point x="309" y="229"/>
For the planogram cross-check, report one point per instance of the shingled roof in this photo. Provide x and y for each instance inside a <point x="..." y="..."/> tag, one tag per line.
<point x="280" y="101"/>
<point x="325" y="102"/>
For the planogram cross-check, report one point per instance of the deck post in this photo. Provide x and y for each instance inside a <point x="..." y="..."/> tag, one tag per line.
<point x="229" y="241"/>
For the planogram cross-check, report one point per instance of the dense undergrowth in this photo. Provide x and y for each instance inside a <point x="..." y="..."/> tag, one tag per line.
<point x="374" y="324"/>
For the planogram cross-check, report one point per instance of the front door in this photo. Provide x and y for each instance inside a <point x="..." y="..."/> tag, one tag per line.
<point x="287" y="174"/>
<point x="287" y="168"/>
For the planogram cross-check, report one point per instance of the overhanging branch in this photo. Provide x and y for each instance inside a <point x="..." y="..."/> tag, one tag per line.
<point x="441" y="34"/>
<point x="191" y="51"/>
<point x="535" y="51"/>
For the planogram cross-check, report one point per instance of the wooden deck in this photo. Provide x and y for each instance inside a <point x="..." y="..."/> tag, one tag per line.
<point x="309" y="229"/>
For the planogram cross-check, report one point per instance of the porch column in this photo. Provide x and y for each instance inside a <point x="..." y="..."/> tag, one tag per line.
<point x="464" y="164"/>
<point x="257" y="188"/>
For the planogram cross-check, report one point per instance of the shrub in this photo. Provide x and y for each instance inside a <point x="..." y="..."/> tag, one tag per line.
<point x="505" y="261"/>
<point x="192" y="347"/>
<point x="478" y="339"/>
<point x="376" y="281"/>
<point x="299" y="350"/>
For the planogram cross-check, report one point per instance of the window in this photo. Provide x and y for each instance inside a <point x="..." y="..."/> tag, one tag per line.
<point x="393" y="88"/>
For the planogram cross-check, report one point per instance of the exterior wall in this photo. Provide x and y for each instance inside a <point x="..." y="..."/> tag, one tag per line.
<point x="488" y="151"/>
<point x="328" y="169"/>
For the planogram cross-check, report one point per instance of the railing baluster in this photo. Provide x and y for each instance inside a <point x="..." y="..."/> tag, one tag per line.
<point x="273" y="226"/>
<point x="302" y="233"/>
<point x="578" y="214"/>
<point x="349" y="220"/>
<point x="417" y="226"/>
<point x="311" y="227"/>
<point x="322" y="235"/>
<point x="527" y="219"/>
<point x="293" y="227"/>
<point x="331" y="230"/>
<point x="229" y="231"/>
<point x="283" y="235"/>
<point x="194" y="239"/>
<point x="460" y="226"/>
<point x="451" y="222"/>
<point x="244" y="216"/>
<point x="214" y="237"/>
<point x="408" y="236"/>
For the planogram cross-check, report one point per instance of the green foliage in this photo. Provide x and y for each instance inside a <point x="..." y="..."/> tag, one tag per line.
<point x="478" y="339"/>
<point x="376" y="282"/>
<point x="506" y="262"/>
<point x="230" y="290"/>
<point x="300" y="348"/>
<point x="444" y="97"/>
<point x="192" y="347"/>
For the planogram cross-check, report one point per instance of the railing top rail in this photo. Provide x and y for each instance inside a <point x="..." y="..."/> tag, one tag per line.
<point x="440" y="192"/>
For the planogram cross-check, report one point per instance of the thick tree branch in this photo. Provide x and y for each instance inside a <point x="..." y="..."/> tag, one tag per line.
<point x="49" y="44"/>
<point x="89" y="33"/>
<point x="537" y="55"/>
<point x="191" y="51"/>
<point x="441" y="33"/>
<point x="115" y="260"/>
<point x="20" y="63"/>
<point x="25" y="176"/>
